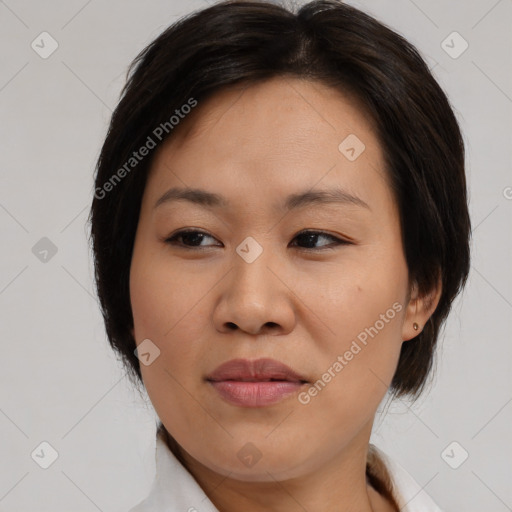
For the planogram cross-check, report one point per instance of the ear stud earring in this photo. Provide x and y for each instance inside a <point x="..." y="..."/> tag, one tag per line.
<point x="415" y="326"/>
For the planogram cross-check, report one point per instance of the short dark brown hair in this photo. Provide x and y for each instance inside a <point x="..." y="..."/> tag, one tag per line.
<point x="239" y="42"/>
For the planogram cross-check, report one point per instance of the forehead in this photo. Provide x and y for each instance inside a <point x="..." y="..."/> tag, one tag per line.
<point x="279" y="135"/>
<point x="298" y="105"/>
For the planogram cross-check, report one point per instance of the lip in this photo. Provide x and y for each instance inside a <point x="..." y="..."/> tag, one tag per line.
<point x="253" y="371"/>
<point x="257" y="383"/>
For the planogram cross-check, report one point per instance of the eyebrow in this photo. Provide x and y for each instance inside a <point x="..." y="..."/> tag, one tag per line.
<point x="293" y="201"/>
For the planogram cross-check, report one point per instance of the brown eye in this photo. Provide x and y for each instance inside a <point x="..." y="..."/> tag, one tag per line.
<point x="309" y="238"/>
<point x="190" y="238"/>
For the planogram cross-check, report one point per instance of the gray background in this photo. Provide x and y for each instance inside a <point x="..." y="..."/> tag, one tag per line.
<point x="60" y="382"/>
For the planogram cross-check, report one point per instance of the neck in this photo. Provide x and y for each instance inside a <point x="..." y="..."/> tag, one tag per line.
<point x="341" y="485"/>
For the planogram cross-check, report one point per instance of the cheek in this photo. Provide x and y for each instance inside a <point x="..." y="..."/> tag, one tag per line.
<point x="169" y="308"/>
<point x="353" y="379"/>
<point x="163" y="297"/>
<point x="364" y="311"/>
<point x="353" y="296"/>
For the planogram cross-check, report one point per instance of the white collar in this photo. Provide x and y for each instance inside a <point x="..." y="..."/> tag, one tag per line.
<point x="174" y="489"/>
<point x="409" y="494"/>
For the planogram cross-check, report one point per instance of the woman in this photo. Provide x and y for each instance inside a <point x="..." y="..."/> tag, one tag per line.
<point x="280" y="227"/>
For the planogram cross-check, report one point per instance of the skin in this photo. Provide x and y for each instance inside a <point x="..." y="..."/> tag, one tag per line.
<point x="297" y="302"/>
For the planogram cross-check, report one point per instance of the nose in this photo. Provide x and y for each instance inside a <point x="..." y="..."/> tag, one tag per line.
<point x="255" y="298"/>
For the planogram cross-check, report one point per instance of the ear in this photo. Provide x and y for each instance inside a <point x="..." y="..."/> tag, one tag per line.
<point x="419" y="309"/>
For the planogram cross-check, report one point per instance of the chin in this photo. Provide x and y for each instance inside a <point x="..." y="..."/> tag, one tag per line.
<point x="251" y="465"/>
<point x="259" y="473"/>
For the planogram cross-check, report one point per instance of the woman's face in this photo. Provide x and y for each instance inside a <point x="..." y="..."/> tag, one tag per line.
<point x="332" y="304"/>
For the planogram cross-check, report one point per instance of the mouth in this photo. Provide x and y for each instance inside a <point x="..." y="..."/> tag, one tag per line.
<point x="258" y="383"/>
<point x="257" y="380"/>
<point x="259" y="370"/>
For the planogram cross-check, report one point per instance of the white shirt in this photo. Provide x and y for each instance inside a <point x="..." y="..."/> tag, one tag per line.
<point x="174" y="489"/>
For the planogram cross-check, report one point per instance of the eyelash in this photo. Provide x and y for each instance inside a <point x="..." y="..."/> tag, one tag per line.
<point x="337" y="241"/>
